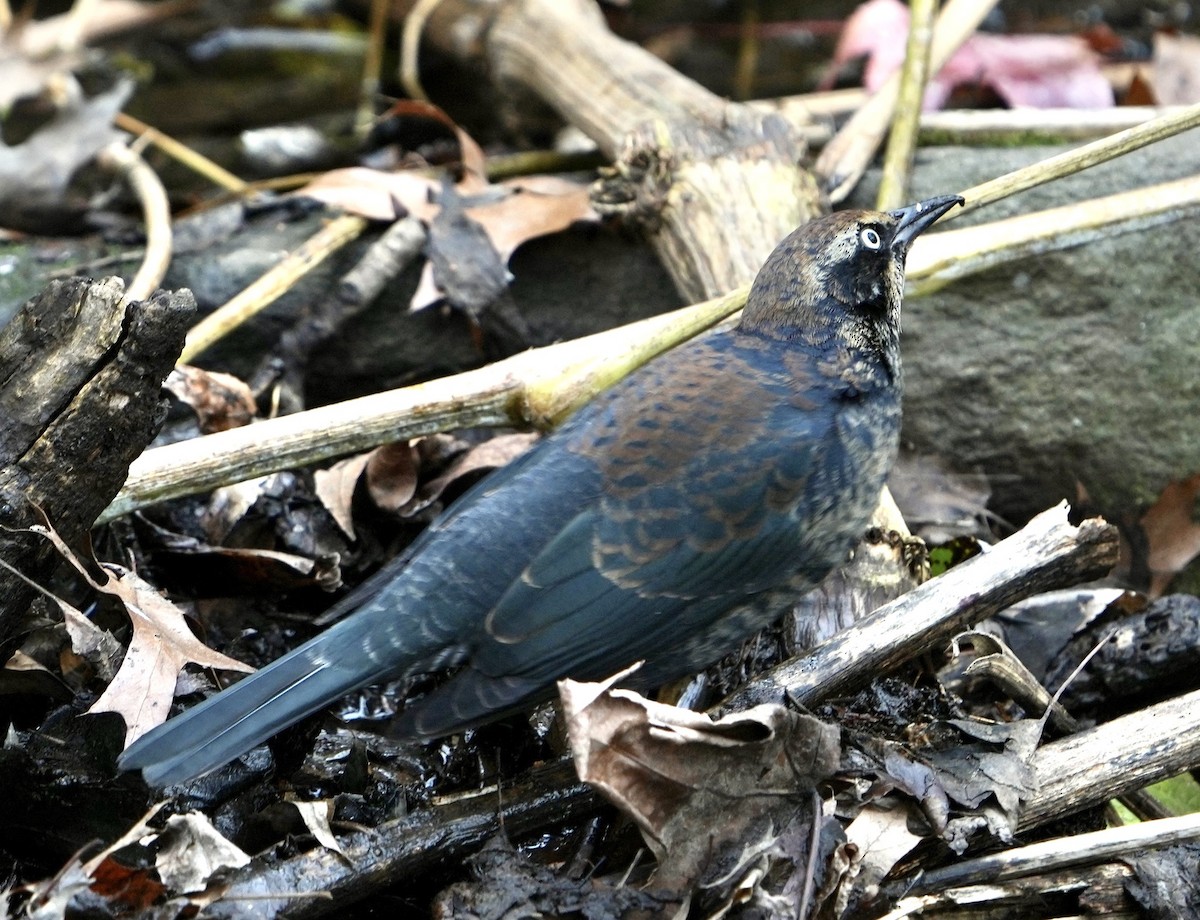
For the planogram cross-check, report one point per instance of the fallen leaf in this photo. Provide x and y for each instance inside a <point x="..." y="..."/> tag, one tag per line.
<point x="190" y="850"/>
<point x="710" y="798"/>
<point x="315" y="816"/>
<point x="220" y="401"/>
<point x="471" y="240"/>
<point x="228" y="505"/>
<point x="374" y="194"/>
<point x="466" y="267"/>
<point x="1172" y="532"/>
<point x="474" y="163"/>
<point x="335" y="487"/>
<point x="391" y="475"/>
<point x="534" y="206"/>
<point x="161" y="645"/>
<point x="489" y="455"/>
<point x="127" y="886"/>
<point x="207" y="571"/>
<point x="882" y="837"/>
<point x="1040" y="71"/>
<point x="22" y="674"/>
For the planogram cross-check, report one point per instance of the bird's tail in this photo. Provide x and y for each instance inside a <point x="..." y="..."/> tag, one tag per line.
<point x="230" y="723"/>
<point x="363" y="649"/>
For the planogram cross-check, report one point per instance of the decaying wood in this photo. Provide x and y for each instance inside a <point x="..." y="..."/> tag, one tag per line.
<point x="376" y="859"/>
<point x="1063" y="852"/>
<point x="716" y="184"/>
<point x="1101" y="887"/>
<point x="80" y="394"/>
<point x="1113" y="758"/>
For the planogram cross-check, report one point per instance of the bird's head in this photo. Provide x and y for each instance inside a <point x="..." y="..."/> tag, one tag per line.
<point x="840" y="277"/>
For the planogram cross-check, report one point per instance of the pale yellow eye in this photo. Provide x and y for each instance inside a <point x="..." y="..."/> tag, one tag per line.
<point x="870" y="238"/>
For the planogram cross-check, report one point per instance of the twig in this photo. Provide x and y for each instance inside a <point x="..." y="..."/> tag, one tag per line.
<point x="1047" y="553"/>
<point x="190" y="158"/>
<point x="1030" y="127"/>
<point x="1079" y="159"/>
<point x="407" y="846"/>
<point x="372" y="67"/>
<point x="273" y="284"/>
<point x="902" y="140"/>
<point x="156" y="212"/>
<point x="747" y="52"/>
<point x="537" y="387"/>
<point x="410" y="46"/>
<point x="1105" y="762"/>
<point x="967" y="251"/>
<point x="1062" y="852"/>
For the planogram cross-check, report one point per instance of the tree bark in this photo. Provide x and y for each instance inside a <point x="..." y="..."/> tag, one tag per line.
<point x="714" y="184"/>
<point x="80" y="391"/>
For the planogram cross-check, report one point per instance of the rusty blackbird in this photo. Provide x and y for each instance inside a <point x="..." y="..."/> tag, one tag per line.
<point x="673" y="516"/>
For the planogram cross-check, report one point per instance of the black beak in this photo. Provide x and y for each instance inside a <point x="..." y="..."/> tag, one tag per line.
<point x="917" y="218"/>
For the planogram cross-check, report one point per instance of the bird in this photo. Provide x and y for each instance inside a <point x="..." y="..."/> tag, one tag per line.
<point x="676" y="514"/>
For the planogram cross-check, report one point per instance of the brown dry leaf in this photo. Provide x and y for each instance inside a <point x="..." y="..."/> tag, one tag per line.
<point x="491" y="454"/>
<point x="1172" y="533"/>
<point x="391" y="475"/>
<point x="335" y="487"/>
<point x="220" y="401"/>
<point x="162" y="644"/>
<point x="471" y="240"/>
<point x="190" y="850"/>
<point x="535" y="206"/>
<point x="230" y="571"/>
<point x="375" y="195"/>
<point x="228" y="505"/>
<point x="22" y="674"/>
<point x="704" y="793"/>
<point x="1176" y="69"/>
<point x="471" y="155"/>
<point x="98" y="647"/>
<point x="126" y="888"/>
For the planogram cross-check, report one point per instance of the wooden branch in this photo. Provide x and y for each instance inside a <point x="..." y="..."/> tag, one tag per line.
<point x="376" y="859"/>
<point x="1047" y="553"/>
<point x="536" y="388"/>
<point x="1063" y="852"/>
<point x="715" y="184"/>
<point x="1114" y="758"/>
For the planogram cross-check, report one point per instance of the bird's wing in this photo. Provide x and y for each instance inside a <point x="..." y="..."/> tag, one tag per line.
<point x="717" y="528"/>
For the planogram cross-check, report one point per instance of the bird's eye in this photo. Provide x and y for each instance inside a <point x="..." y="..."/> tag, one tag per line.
<point x="870" y="238"/>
